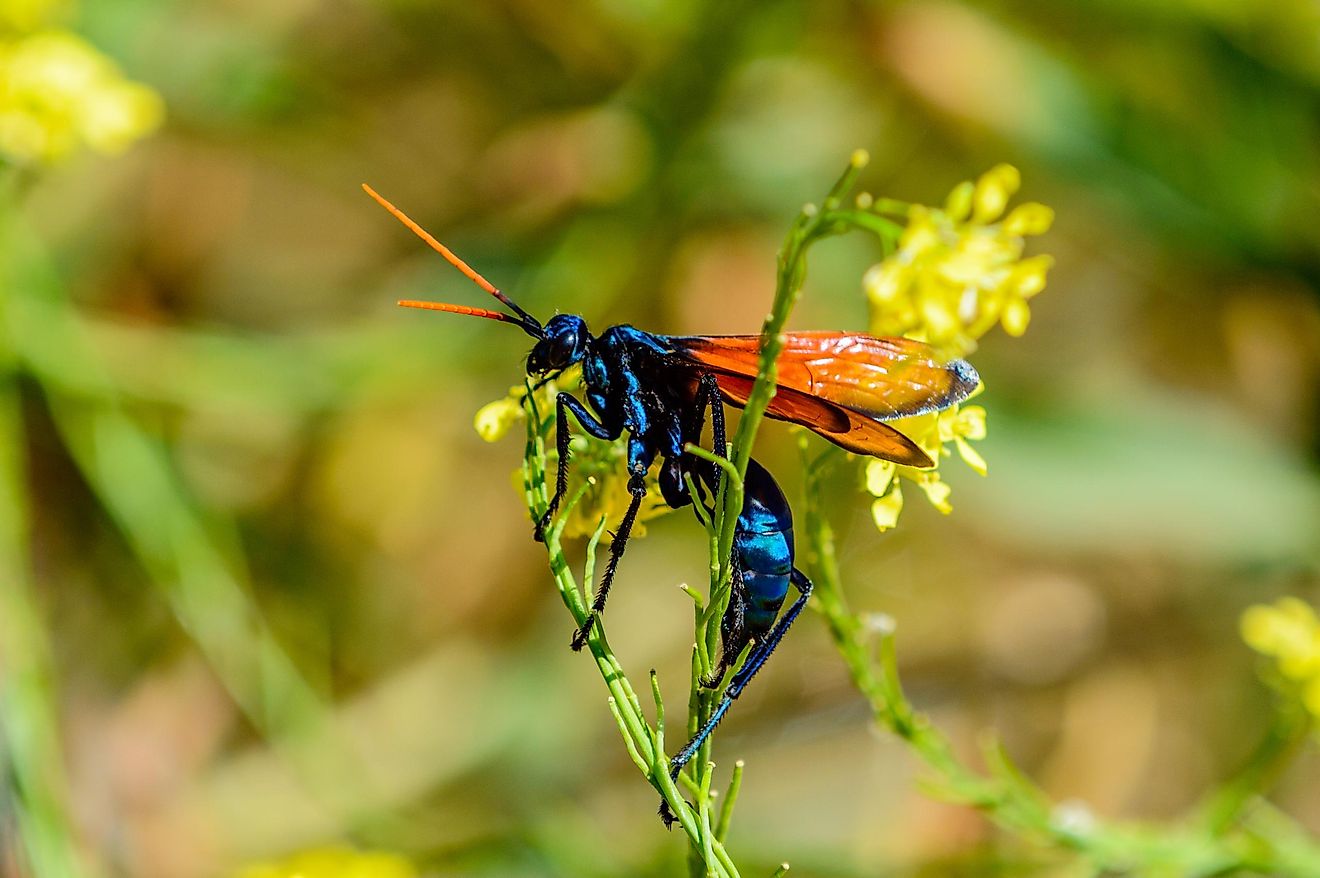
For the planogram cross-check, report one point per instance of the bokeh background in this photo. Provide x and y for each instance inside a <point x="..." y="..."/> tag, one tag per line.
<point x="254" y="508"/>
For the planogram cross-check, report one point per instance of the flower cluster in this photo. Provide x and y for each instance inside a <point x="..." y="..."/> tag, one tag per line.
<point x="602" y="465"/>
<point x="1288" y="632"/>
<point x="956" y="273"/>
<point x="934" y="432"/>
<point x="23" y="16"/>
<point x="58" y="92"/>
<point x="334" y="862"/>
<point x="960" y="270"/>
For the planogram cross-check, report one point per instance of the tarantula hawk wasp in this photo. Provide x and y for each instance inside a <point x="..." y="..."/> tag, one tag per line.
<point x="656" y="389"/>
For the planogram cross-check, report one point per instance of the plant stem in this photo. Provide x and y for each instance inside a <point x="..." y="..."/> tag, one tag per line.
<point x="1290" y="729"/>
<point x="645" y="744"/>
<point x="30" y="740"/>
<point x="1008" y="798"/>
<point x="811" y="225"/>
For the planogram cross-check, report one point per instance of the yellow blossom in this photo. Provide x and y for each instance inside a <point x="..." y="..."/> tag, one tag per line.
<point x="959" y="426"/>
<point x="886" y="508"/>
<point x="494" y="419"/>
<point x="956" y="273"/>
<point x="1288" y="632"/>
<point x="58" y="92"/>
<point x="882" y="483"/>
<point x="27" y="15"/>
<point x="937" y="491"/>
<point x="959" y="270"/>
<point x="333" y="862"/>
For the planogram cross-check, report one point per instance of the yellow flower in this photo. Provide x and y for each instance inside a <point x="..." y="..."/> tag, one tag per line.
<point x="1288" y="632"/>
<point x="58" y="92"/>
<point x="333" y="862"/>
<point x="28" y="15"/>
<point x="886" y="508"/>
<point x="882" y="483"/>
<point x="494" y="419"/>
<point x="959" y="426"/>
<point x="960" y="270"/>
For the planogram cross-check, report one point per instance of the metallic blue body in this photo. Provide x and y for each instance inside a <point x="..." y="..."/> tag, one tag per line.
<point x="763" y="548"/>
<point x="636" y="383"/>
<point x="639" y="383"/>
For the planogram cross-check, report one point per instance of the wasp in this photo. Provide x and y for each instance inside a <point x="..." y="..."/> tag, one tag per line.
<point x="657" y="390"/>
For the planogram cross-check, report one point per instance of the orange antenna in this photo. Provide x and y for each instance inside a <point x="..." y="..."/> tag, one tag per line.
<point x="460" y="309"/>
<point x="528" y="322"/>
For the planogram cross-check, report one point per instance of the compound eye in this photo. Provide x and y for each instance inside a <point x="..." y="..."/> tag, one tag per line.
<point x="563" y="349"/>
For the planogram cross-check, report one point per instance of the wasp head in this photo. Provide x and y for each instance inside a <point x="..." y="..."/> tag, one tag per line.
<point x="563" y="344"/>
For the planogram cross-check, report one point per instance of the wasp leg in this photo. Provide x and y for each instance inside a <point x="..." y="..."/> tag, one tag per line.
<point x="754" y="663"/>
<point x="708" y="395"/>
<point x="565" y="403"/>
<point x="733" y="630"/>
<point x="761" y="654"/>
<point x="711" y="392"/>
<point x="639" y="461"/>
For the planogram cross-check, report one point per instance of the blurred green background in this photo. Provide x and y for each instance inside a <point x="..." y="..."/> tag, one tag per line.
<point x="290" y="597"/>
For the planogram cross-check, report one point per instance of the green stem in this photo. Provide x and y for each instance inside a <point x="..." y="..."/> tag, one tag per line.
<point x="1290" y="729"/>
<point x="703" y="812"/>
<point x="811" y="225"/>
<point x="730" y="797"/>
<point x="792" y="270"/>
<point x="29" y="730"/>
<point x="1008" y="798"/>
<point x="644" y="743"/>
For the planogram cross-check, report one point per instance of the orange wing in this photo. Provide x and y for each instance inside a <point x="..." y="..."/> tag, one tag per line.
<point x="849" y="430"/>
<point x="841" y="385"/>
<point x="883" y="378"/>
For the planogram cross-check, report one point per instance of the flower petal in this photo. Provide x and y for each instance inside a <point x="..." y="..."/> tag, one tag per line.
<point x="494" y="419"/>
<point x="959" y="203"/>
<point x="971" y="422"/>
<point x="885" y="510"/>
<point x="879" y="476"/>
<point x="993" y="190"/>
<point x="1016" y="317"/>
<point x="970" y="455"/>
<point x="1028" y="276"/>
<point x="1031" y="218"/>
<point x="937" y="491"/>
